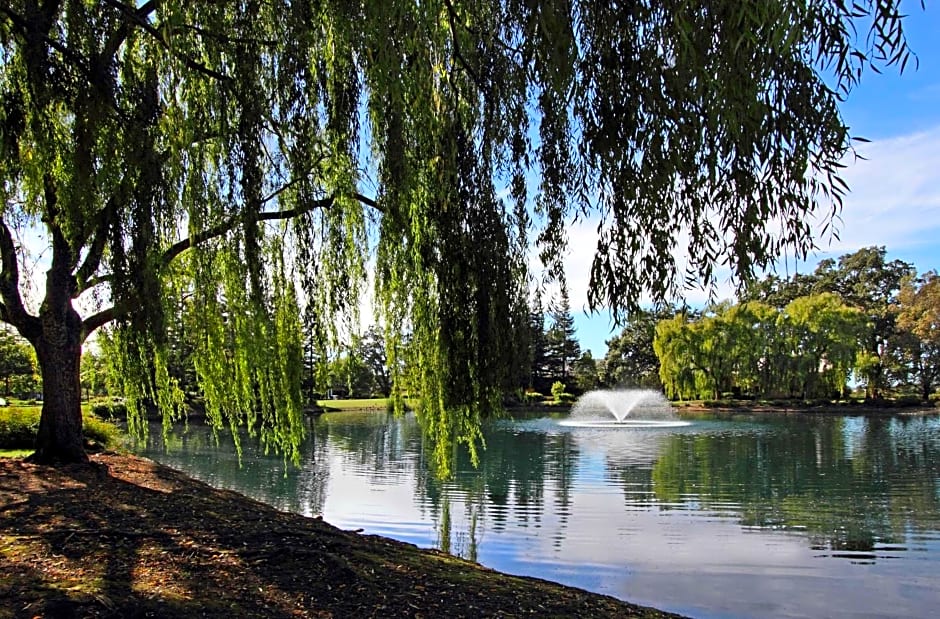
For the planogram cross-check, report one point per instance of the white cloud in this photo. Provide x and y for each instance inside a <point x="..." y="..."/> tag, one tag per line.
<point x="895" y="195"/>
<point x="894" y="201"/>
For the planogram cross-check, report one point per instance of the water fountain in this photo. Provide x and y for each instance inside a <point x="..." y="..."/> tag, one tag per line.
<point x="618" y="408"/>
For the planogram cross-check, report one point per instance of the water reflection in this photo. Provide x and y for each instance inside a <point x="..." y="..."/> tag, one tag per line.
<point x="792" y="512"/>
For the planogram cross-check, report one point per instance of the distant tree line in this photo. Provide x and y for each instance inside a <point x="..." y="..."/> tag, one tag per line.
<point x="860" y="320"/>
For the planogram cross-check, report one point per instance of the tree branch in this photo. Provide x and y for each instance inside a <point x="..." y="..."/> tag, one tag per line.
<point x="229" y="225"/>
<point x="95" y="321"/>
<point x="91" y="282"/>
<point x="139" y="19"/>
<point x="227" y="39"/>
<point x="85" y="273"/>
<point x="12" y="309"/>
<point x="60" y="282"/>
<point x="118" y="38"/>
<point x="31" y="33"/>
<point x="452" y="22"/>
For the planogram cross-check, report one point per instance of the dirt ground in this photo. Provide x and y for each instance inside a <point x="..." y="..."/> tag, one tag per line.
<point x="126" y="537"/>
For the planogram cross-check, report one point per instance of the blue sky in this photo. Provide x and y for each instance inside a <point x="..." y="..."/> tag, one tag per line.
<point x="895" y="193"/>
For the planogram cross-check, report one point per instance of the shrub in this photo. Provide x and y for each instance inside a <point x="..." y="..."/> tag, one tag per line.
<point x="532" y="397"/>
<point x="109" y="412"/>
<point x="19" y="426"/>
<point x="101" y="411"/>
<point x="101" y="434"/>
<point x="558" y="388"/>
<point x="717" y="403"/>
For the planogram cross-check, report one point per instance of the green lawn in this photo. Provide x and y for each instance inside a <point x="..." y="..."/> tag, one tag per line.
<point x="354" y="405"/>
<point x="15" y="453"/>
<point x="362" y="404"/>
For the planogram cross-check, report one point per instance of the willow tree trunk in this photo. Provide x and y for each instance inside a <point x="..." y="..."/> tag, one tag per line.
<point x="59" y="351"/>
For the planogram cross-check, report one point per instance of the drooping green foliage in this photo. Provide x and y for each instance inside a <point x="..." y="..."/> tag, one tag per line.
<point x="807" y="350"/>
<point x="244" y="159"/>
<point x="865" y="280"/>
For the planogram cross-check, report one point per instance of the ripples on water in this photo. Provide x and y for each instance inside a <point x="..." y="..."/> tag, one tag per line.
<point x="773" y="516"/>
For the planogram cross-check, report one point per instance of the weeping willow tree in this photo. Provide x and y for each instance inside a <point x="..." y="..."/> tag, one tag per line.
<point x="254" y="161"/>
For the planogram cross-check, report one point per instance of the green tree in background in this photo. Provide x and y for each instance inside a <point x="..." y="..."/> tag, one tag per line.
<point x="350" y="376"/>
<point x="823" y="335"/>
<point x="94" y="374"/>
<point x="372" y="351"/>
<point x="756" y="350"/>
<point x="867" y="281"/>
<point x="631" y="359"/>
<point x="217" y="150"/>
<point x="777" y="292"/>
<point x="919" y="324"/>
<point x="807" y="350"/>
<point x="561" y="344"/>
<point x="17" y="364"/>
<point x="675" y="346"/>
<point x="538" y="367"/>
<point x="585" y="372"/>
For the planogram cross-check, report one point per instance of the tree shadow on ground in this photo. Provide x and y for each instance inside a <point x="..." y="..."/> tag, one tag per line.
<point x="126" y="537"/>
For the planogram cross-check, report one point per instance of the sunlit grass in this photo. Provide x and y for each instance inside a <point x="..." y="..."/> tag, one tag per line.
<point x="15" y="453"/>
<point x="355" y="405"/>
<point x="19" y="425"/>
<point x="362" y="404"/>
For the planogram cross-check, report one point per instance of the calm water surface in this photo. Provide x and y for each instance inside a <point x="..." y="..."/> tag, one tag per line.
<point x="774" y="516"/>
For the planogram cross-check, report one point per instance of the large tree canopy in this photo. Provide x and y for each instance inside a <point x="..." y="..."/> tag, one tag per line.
<point x="244" y="159"/>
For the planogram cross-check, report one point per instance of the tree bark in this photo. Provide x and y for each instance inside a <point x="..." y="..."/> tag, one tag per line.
<point x="59" y="351"/>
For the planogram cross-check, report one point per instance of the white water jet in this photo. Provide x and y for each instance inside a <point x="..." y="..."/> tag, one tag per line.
<point x="616" y="408"/>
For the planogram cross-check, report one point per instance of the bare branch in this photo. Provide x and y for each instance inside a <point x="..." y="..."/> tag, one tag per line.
<point x="98" y="320"/>
<point x="222" y="38"/>
<point x="88" y="284"/>
<point x="12" y="309"/>
<point x="140" y="20"/>
<point x="229" y="225"/>
<point x="99" y="241"/>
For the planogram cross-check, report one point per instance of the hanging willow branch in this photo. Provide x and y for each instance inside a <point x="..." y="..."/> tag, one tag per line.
<point x="156" y="143"/>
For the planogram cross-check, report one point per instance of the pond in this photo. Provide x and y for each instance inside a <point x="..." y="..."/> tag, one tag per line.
<point x="773" y="515"/>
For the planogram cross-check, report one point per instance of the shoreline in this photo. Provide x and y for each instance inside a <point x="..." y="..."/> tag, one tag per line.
<point x="127" y="536"/>
<point x="865" y="410"/>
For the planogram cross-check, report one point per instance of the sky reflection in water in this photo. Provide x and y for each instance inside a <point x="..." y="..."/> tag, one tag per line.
<point x="744" y="517"/>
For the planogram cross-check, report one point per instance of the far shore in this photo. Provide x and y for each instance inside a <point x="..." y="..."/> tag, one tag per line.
<point x="733" y="406"/>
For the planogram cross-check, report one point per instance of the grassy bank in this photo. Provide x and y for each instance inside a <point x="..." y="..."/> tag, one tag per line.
<point x="362" y="404"/>
<point x="836" y="407"/>
<point x="365" y="404"/>
<point x="129" y="537"/>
